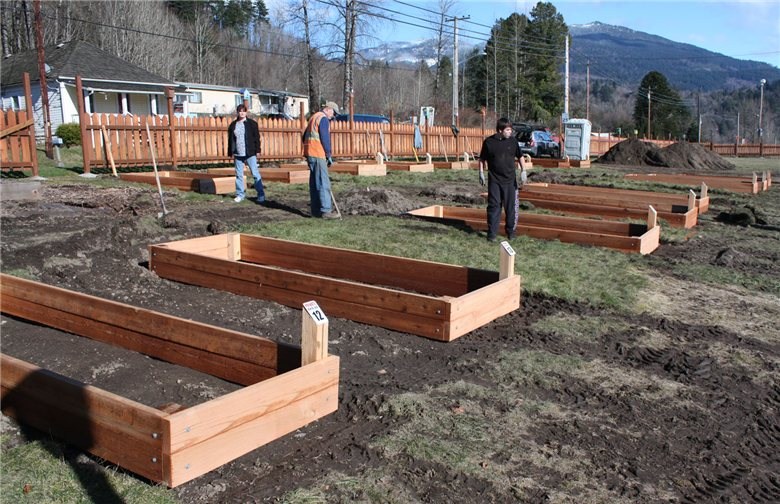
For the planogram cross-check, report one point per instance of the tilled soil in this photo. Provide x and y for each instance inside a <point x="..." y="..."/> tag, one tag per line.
<point x="716" y="441"/>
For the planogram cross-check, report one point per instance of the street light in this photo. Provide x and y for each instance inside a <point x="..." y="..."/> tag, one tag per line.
<point x="760" y="110"/>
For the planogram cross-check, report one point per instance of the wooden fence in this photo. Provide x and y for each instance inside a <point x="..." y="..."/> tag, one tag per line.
<point x="17" y="136"/>
<point x="203" y="140"/>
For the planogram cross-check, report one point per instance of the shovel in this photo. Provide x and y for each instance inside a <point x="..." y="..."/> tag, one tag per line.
<point x="156" y="174"/>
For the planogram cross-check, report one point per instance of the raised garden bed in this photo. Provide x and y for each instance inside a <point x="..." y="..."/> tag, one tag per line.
<point x="752" y="185"/>
<point x="438" y="301"/>
<point x="206" y="183"/>
<point x="285" y="387"/>
<point x="677" y="210"/>
<point x="410" y="167"/>
<point x="297" y="174"/>
<point x="626" y="237"/>
<point x="456" y="165"/>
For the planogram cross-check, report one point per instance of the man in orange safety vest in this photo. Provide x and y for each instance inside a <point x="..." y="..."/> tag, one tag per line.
<point x="317" y="149"/>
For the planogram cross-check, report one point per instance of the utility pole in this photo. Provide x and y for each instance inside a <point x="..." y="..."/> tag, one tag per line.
<point x="587" y="92"/>
<point x="737" y="128"/>
<point x="760" y="110"/>
<point x="648" y="114"/>
<point x="455" y="119"/>
<point x="698" y="113"/>
<point x="566" y="82"/>
<point x="42" y="72"/>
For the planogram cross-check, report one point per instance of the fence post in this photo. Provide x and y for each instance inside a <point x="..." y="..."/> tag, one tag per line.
<point x="171" y="125"/>
<point x="761" y="149"/>
<point x="392" y="127"/>
<point x="82" y="123"/>
<point x="31" y="129"/>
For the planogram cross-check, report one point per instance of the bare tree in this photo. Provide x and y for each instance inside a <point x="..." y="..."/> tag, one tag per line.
<point x="443" y="41"/>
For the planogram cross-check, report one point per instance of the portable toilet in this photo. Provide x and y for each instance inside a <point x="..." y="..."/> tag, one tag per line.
<point x="576" y="144"/>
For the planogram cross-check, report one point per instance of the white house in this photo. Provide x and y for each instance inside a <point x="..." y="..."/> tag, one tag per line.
<point x="210" y="100"/>
<point x="110" y="84"/>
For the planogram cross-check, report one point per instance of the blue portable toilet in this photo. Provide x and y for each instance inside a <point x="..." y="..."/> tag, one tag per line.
<point x="576" y="144"/>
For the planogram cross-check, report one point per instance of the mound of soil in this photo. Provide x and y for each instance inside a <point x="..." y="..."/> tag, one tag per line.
<point x="680" y="157"/>
<point x="545" y="176"/>
<point x="374" y="202"/>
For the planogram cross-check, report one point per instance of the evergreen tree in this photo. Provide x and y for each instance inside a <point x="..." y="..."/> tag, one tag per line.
<point x="668" y="114"/>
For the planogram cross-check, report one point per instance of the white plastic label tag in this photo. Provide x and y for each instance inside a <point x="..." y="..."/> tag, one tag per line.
<point x="508" y="248"/>
<point x="314" y="311"/>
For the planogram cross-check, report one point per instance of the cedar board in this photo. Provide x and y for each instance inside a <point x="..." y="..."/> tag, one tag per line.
<point x="205" y="183"/>
<point x="166" y="447"/>
<point x="434" y="300"/>
<point x="733" y="184"/>
<point x="632" y="195"/>
<point x="617" y="235"/>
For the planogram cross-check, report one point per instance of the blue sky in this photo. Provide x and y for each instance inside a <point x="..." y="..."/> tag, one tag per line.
<point x="741" y="29"/>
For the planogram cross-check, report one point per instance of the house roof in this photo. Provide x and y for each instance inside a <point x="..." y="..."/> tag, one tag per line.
<point x="77" y="58"/>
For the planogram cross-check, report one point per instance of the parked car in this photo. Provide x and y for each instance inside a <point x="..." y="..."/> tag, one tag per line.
<point x="536" y="141"/>
<point x="364" y="118"/>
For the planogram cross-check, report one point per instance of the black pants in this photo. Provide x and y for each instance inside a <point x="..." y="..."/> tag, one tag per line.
<point x="501" y="196"/>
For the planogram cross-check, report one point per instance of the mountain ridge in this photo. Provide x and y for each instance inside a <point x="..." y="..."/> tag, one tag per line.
<point x="620" y="55"/>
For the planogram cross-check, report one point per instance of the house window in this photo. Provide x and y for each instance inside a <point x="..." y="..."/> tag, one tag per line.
<point x="196" y="97"/>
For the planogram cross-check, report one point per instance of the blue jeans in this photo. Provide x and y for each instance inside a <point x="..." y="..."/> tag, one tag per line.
<point x="251" y="161"/>
<point x="319" y="186"/>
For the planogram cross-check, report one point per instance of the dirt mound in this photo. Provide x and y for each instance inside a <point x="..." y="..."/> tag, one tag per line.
<point x="694" y="157"/>
<point x="632" y="152"/>
<point x="680" y="157"/>
<point x="546" y="177"/>
<point x="374" y="202"/>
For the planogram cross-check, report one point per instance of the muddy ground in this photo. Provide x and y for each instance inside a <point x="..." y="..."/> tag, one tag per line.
<point x="680" y="402"/>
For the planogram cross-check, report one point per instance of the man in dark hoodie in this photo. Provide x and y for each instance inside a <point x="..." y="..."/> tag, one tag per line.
<point x="501" y="153"/>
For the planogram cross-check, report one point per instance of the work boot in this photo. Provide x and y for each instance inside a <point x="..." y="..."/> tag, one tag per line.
<point x="491" y="239"/>
<point x="329" y="215"/>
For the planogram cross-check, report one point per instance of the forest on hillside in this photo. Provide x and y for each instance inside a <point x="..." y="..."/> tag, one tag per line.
<point x="313" y="47"/>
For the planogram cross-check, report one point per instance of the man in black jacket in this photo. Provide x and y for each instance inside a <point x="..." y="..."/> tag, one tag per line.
<point x="501" y="153"/>
<point x="244" y="146"/>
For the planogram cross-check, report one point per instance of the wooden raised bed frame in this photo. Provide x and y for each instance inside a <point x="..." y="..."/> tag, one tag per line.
<point x="617" y="235"/>
<point x="677" y="210"/>
<point x="206" y="183"/>
<point x="752" y="185"/>
<point x="286" y="388"/>
<point x="287" y="175"/>
<point x="438" y="301"/>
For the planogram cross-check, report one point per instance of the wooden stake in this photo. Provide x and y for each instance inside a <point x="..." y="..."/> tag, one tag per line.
<point x="156" y="174"/>
<point x="506" y="261"/>
<point x="314" y="333"/>
<point x="652" y="218"/>
<point x="704" y="189"/>
<point x="109" y="154"/>
<point x="691" y="199"/>
<point x="443" y="150"/>
<point x="234" y="246"/>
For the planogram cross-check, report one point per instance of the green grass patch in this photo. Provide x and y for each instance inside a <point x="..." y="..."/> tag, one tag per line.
<point x="581" y="328"/>
<point x="718" y="275"/>
<point x="38" y="472"/>
<point x="575" y="273"/>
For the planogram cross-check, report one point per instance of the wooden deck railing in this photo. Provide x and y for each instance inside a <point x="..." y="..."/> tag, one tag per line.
<point x="17" y="136"/>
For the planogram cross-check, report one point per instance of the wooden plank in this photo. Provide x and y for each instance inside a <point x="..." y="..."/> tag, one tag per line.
<point x="410" y="167"/>
<point x="365" y="267"/>
<point x="208" y="435"/>
<point x="363" y="169"/>
<point x="303" y="283"/>
<point x="121" y="431"/>
<point x="356" y="309"/>
<point x="734" y="184"/>
<point x="685" y="220"/>
<point x="227" y="368"/>
<point x="13" y="129"/>
<point x="549" y="227"/>
<point x="13" y="141"/>
<point x="285" y="176"/>
<point x="214" y="340"/>
<point x="484" y="305"/>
